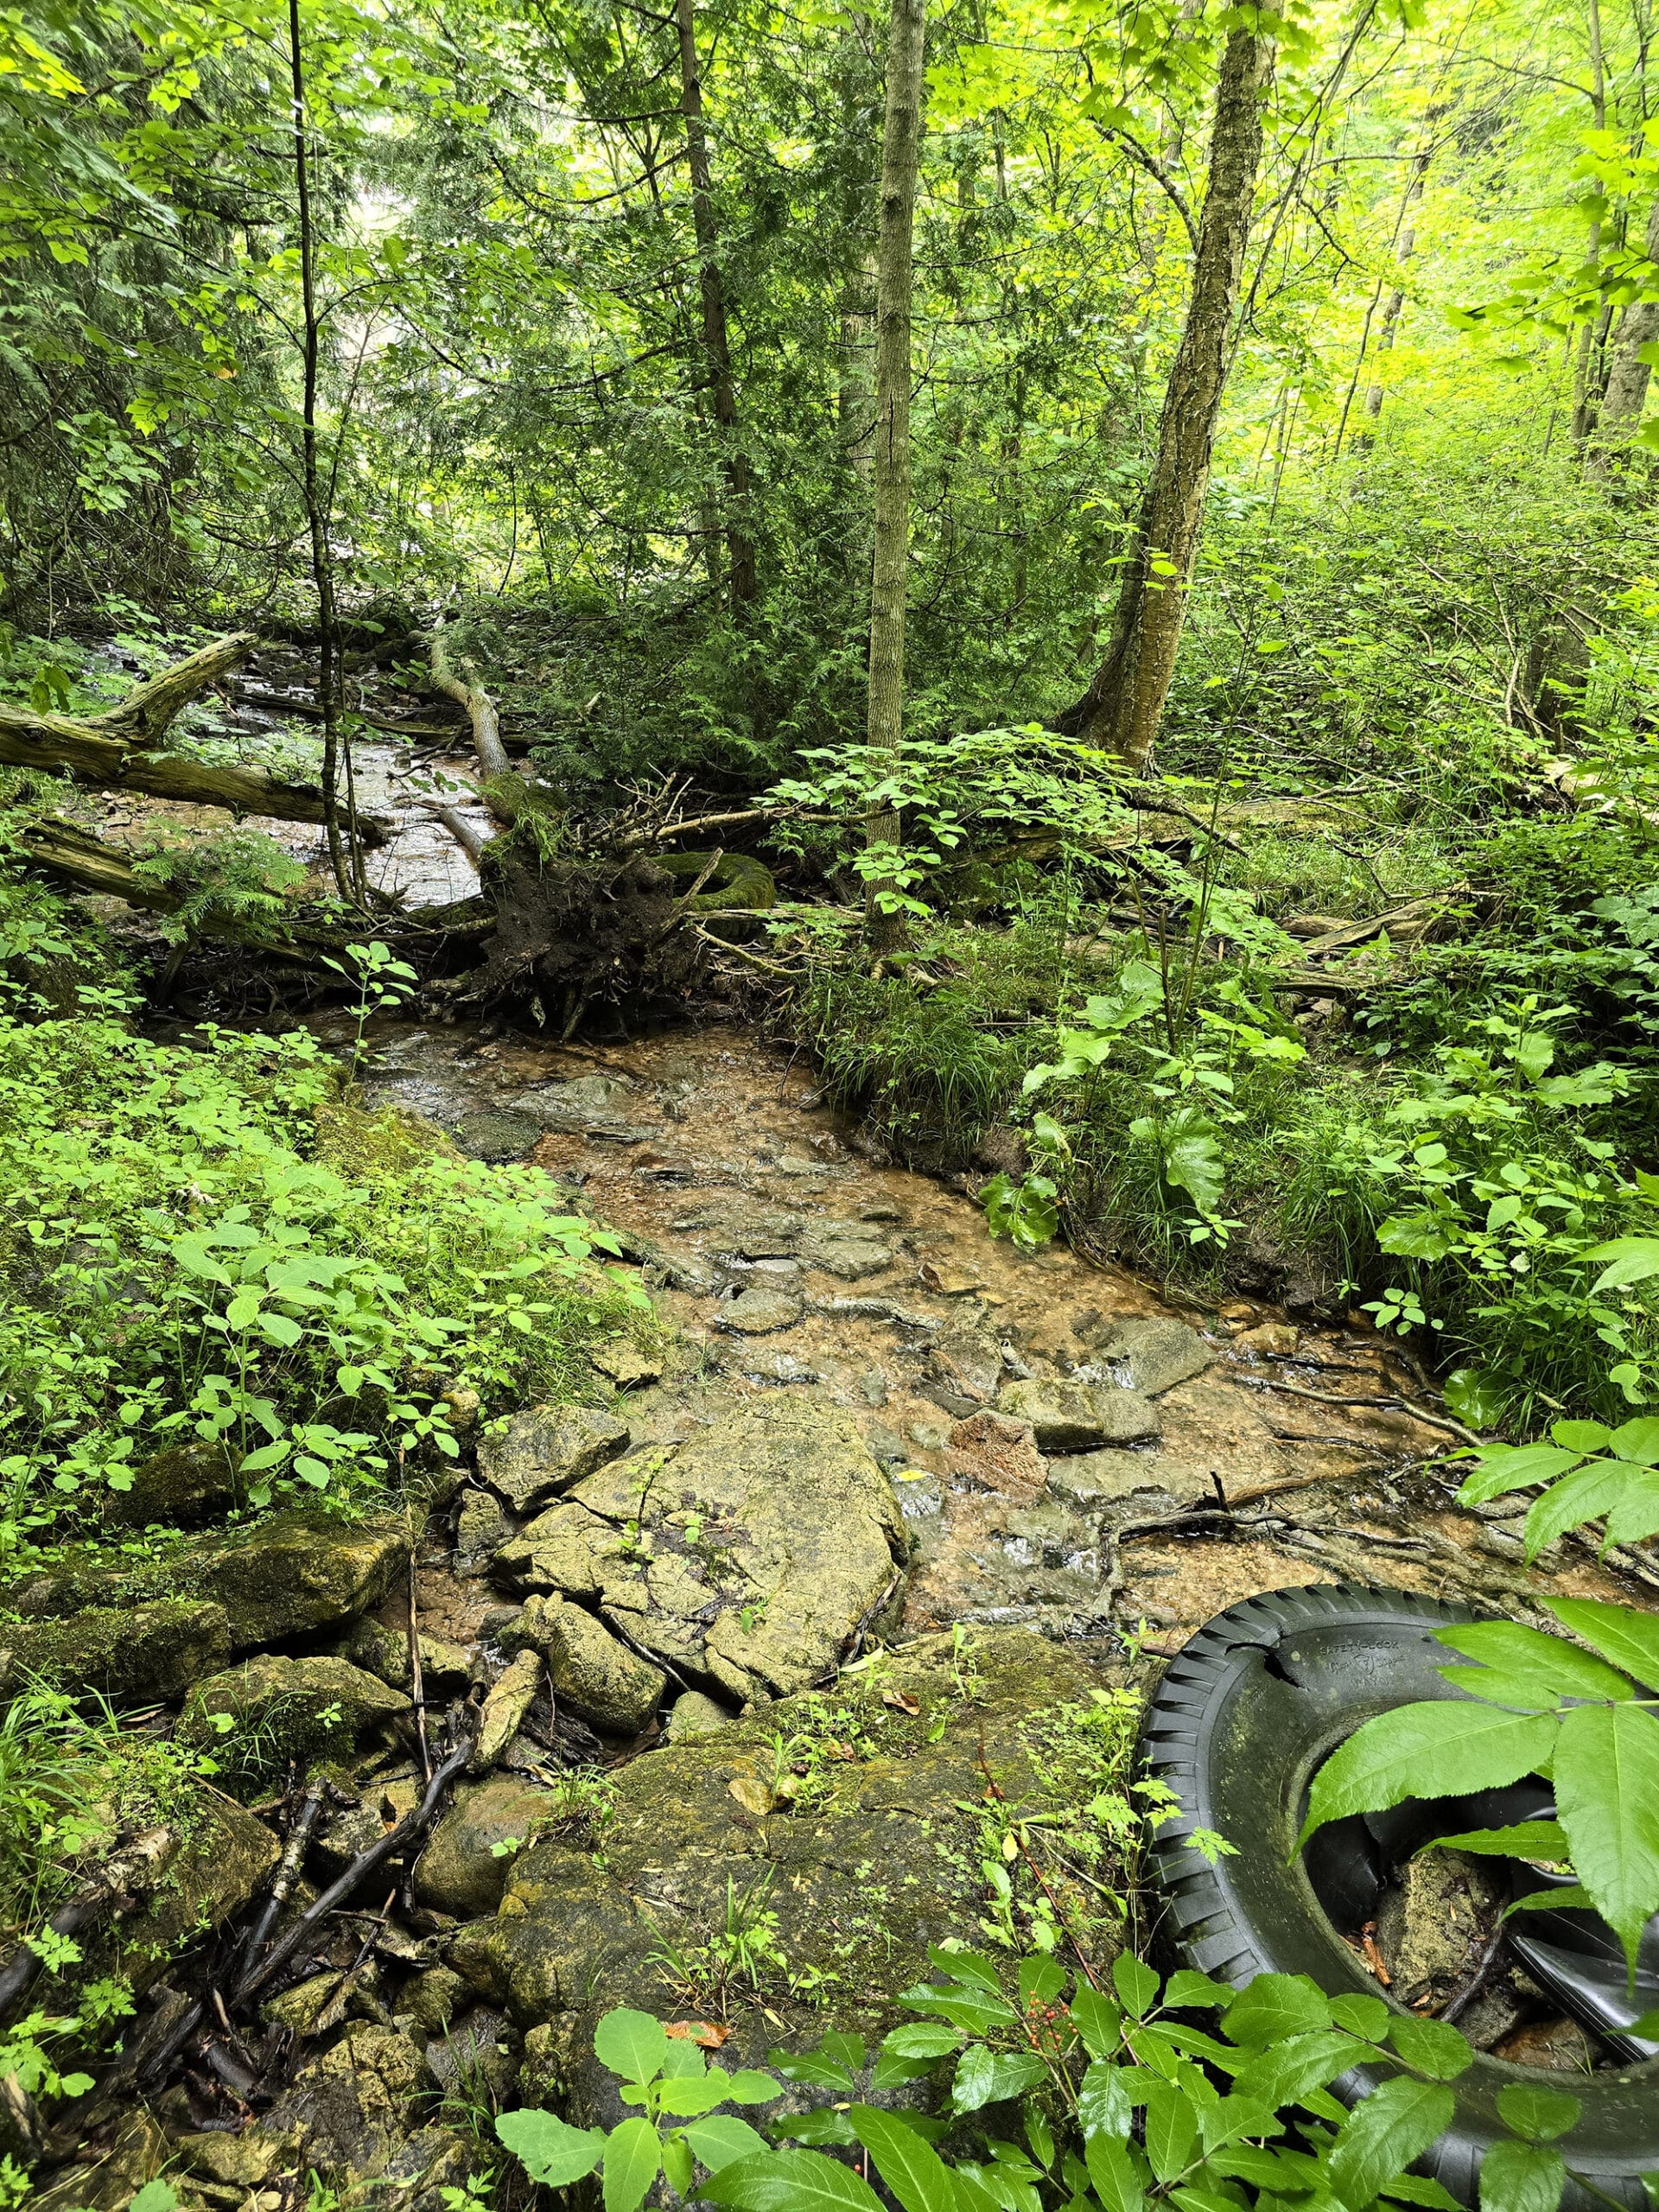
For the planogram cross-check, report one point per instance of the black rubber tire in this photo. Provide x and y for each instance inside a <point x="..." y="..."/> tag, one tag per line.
<point x="1246" y="1713"/>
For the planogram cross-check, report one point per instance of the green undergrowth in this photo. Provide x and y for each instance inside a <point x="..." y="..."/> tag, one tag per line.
<point x="1451" y="1145"/>
<point x="205" y="1240"/>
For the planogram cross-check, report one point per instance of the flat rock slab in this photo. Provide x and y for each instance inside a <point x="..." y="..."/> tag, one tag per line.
<point x="496" y="1136"/>
<point x="871" y="1854"/>
<point x="757" y="1312"/>
<point x="1079" y="1416"/>
<point x="851" y="1259"/>
<point x="744" y="1558"/>
<point x="593" y="1674"/>
<point x="1153" y="1356"/>
<point x="543" y="1453"/>
<point x="133" y="1655"/>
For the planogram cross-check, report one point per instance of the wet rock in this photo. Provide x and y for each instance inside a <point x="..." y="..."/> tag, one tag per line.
<point x="496" y="1136"/>
<point x="747" y="1555"/>
<point x="181" y="1487"/>
<point x="757" y="1312"/>
<point x="446" y="1669"/>
<point x="848" y="1256"/>
<point x="433" y="1998"/>
<point x="110" y="2183"/>
<point x="625" y="1364"/>
<point x="283" y="1577"/>
<point x="347" y="1832"/>
<point x="1079" y="1416"/>
<point x="133" y="1655"/>
<point x="1153" y="1356"/>
<point x="324" y="2001"/>
<point x="239" y="2161"/>
<point x="545" y="1452"/>
<point x="966" y="1359"/>
<point x="693" y="1715"/>
<point x="1272" y="1340"/>
<point x="592" y="1671"/>
<point x="996" y="1451"/>
<point x="288" y="1708"/>
<point x="460" y="1870"/>
<point x="1097" y="1480"/>
<point x="481" y="1528"/>
<point x="877" y="1861"/>
<point x="477" y="2058"/>
<point x="353" y="2105"/>
<point x="504" y="1711"/>
<point x="776" y="1368"/>
<point x="1433" y="1921"/>
<point x="573" y="1105"/>
<point x="1558" y="2046"/>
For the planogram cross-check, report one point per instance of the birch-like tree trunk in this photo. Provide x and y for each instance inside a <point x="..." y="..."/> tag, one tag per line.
<point x="901" y="145"/>
<point x="1627" y="380"/>
<point x="1121" y="709"/>
<point x="716" y="344"/>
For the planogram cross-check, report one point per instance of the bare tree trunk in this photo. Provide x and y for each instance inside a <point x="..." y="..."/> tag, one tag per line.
<point x="889" y="579"/>
<point x="1395" y="308"/>
<point x="1586" y="379"/>
<point x="1121" y="709"/>
<point x="740" y="545"/>
<point x="1627" y="382"/>
<point x="855" y="406"/>
<point x="322" y="567"/>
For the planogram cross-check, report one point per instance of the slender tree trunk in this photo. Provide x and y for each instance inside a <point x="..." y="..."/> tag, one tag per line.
<point x="322" y="567"/>
<point x="1395" y="308"/>
<point x="1627" y="382"/>
<point x="1121" y="709"/>
<point x="900" y="147"/>
<point x="740" y="544"/>
<point x="1586" y="380"/>
<point x="856" y="407"/>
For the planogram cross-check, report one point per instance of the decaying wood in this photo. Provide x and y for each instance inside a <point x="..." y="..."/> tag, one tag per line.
<point x="287" y="1872"/>
<point x="409" y="1830"/>
<point x="1398" y="920"/>
<point x="460" y="682"/>
<point x="110" y="1890"/>
<point x="115" y="750"/>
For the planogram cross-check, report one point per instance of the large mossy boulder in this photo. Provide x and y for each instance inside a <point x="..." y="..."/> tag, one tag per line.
<point x="221" y="1860"/>
<point x="286" y="1576"/>
<point x="180" y="1488"/>
<point x="865" y="1843"/>
<point x="747" y="1557"/>
<point x="132" y="1654"/>
<point x="548" y="1450"/>
<point x="270" y="1710"/>
<point x="593" y="1672"/>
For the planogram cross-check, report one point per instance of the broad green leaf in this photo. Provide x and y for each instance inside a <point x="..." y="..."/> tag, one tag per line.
<point x="790" y="2181"/>
<point x="963" y="1965"/>
<point x="1632" y="1259"/>
<point x="683" y="2059"/>
<point x="920" y="2039"/>
<point x="723" y="2137"/>
<point x="1564" y="1896"/>
<point x="1136" y="1983"/>
<point x="1274" y="2006"/>
<point x="1112" y="2170"/>
<point x="984" y="2077"/>
<point x="1522" y="2178"/>
<point x="1192" y="2197"/>
<point x="550" y="2150"/>
<point x="1526" y="1839"/>
<point x="912" y="2170"/>
<point x="1362" y="2016"/>
<point x="1602" y="1487"/>
<point x="280" y="1330"/>
<point x="976" y="2011"/>
<point x="1103" y="2107"/>
<point x="1172" y="2129"/>
<point x="817" y="2072"/>
<point x="822" y="2125"/>
<point x="1040" y="1982"/>
<point x="849" y="2049"/>
<point x="1580" y="1436"/>
<point x="1474" y="1396"/>
<point x="748" y="2086"/>
<point x="632" y="2044"/>
<point x="1288" y="2069"/>
<point x="1097" y="2020"/>
<point x="678" y="2165"/>
<point x="692" y="2094"/>
<point x="1527" y="1655"/>
<point x="1606" y="1774"/>
<point x="1628" y="1638"/>
<point x="1447" y="1749"/>
<point x="1638" y="1441"/>
<point x="1384" y="2134"/>
<point x="972" y="2194"/>
<point x="1539" y="2114"/>
<point x="632" y="2161"/>
<point x="1419" y="2189"/>
<point x="1431" y="2047"/>
<point x="1186" y="1990"/>
<point x="1506" y="1467"/>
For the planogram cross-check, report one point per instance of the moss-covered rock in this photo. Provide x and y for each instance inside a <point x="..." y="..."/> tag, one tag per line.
<point x="222" y="1859"/>
<point x="593" y="1672"/>
<point x="460" y="1871"/>
<point x="547" y="1451"/>
<point x="850" y="1828"/>
<point x="133" y="1655"/>
<point x="181" y="1488"/>
<point x="746" y="1557"/>
<point x="288" y="1575"/>
<point x="270" y="1710"/>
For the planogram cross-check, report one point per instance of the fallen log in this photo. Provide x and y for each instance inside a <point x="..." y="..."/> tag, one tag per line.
<point x="115" y="750"/>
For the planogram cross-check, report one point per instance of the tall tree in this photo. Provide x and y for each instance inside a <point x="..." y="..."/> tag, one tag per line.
<point x="716" y="344"/>
<point x="1627" y="379"/>
<point x="1120" y="710"/>
<point x="900" y="147"/>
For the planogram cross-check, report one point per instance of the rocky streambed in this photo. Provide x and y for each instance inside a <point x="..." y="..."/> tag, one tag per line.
<point x="813" y="1635"/>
